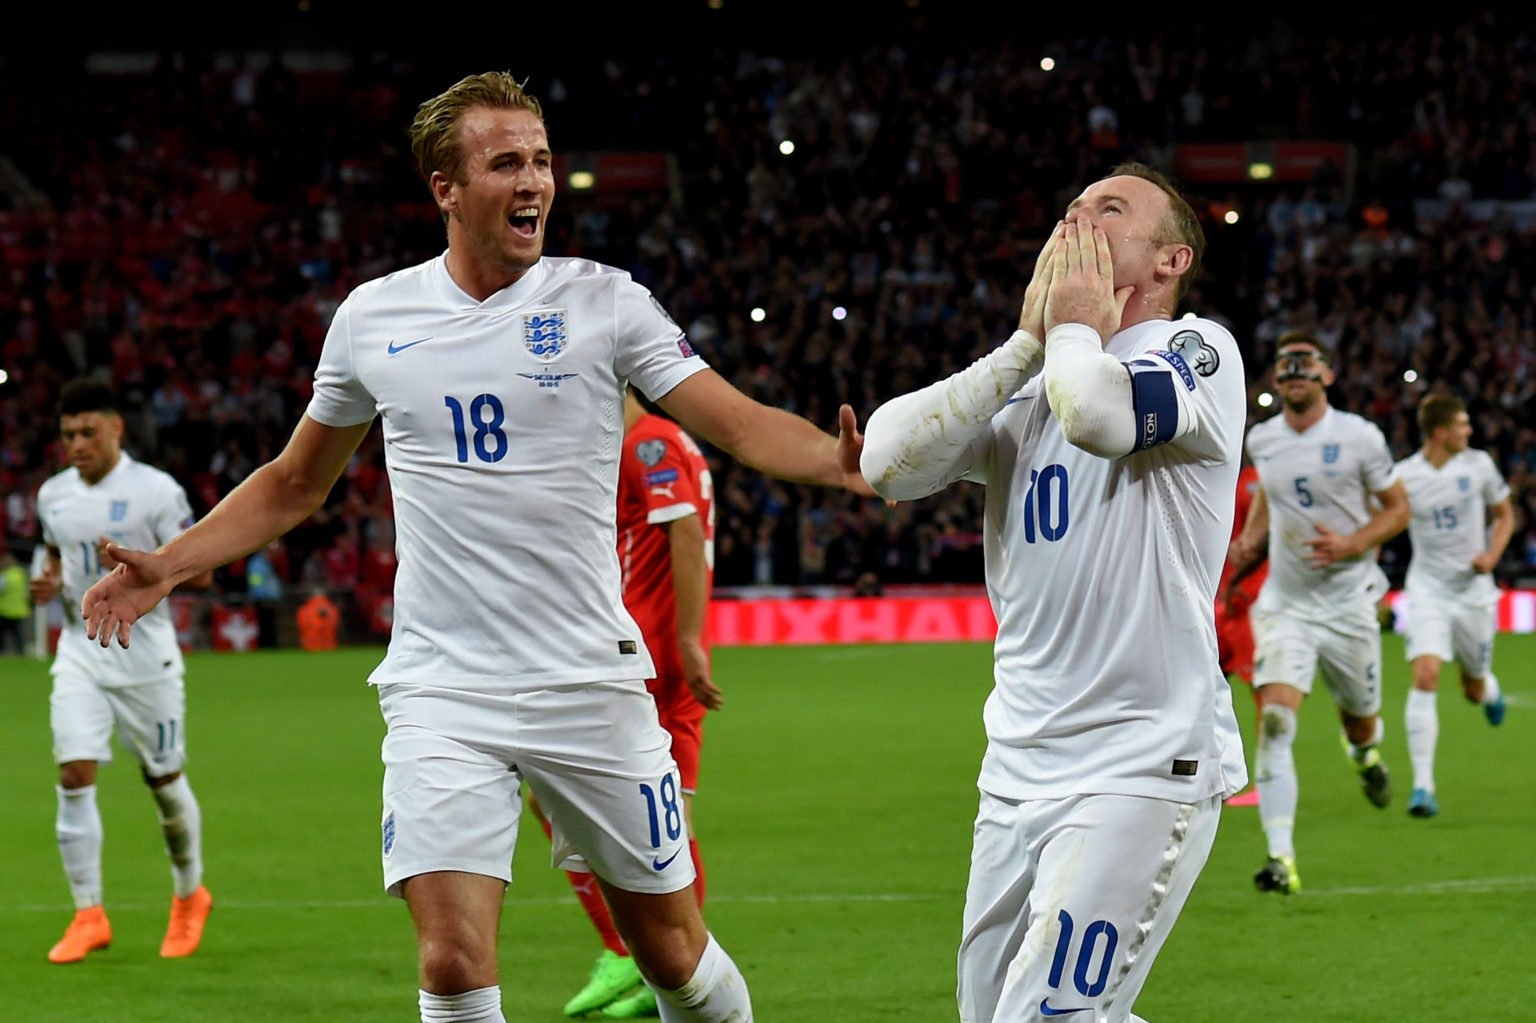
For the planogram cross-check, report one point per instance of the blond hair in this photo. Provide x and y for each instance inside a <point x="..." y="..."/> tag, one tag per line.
<point x="435" y="129"/>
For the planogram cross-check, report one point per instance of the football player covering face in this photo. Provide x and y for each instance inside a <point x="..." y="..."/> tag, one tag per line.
<point x="497" y="200"/>
<point x="1149" y="263"/>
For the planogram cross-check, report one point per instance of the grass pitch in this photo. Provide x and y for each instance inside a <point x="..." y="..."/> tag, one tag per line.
<point x="834" y="812"/>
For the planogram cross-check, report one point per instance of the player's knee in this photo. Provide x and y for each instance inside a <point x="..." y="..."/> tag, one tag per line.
<point x="1277" y="723"/>
<point x="1363" y="731"/>
<point x="157" y="781"/>
<point x="77" y="774"/>
<point x="668" y="956"/>
<point x="452" y="964"/>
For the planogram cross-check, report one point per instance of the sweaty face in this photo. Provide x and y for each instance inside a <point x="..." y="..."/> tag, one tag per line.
<point x="1133" y="213"/>
<point x="92" y="441"/>
<point x="506" y="185"/>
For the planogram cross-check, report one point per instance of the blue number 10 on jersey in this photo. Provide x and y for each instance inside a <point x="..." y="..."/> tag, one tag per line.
<point x="1045" y="504"/>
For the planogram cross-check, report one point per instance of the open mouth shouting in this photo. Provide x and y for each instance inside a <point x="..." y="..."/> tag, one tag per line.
<point x="525" y="221"/>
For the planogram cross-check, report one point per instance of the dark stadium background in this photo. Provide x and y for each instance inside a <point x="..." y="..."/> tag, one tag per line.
<point x="925" y="237"/>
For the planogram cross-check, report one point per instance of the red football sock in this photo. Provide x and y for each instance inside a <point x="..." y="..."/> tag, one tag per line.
<point x="698" y="868"/>
<point x="590" y="895"/>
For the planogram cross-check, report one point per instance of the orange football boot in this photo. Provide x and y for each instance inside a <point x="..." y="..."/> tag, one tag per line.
<point x="87" y="932"/>
<point x="185" y="930"/>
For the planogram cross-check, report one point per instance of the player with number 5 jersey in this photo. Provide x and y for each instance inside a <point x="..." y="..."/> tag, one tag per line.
<point x="1110" y="456"/>
<point x="1328" y="497"/>
<point x="499" y="375"/>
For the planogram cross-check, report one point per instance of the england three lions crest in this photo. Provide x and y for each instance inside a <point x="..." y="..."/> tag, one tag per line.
<point x="544" y="333"/>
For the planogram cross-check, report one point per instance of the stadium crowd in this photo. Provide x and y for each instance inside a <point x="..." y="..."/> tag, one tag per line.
<point x="187" y="230"/>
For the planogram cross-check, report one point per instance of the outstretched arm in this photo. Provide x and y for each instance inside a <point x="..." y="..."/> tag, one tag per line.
<point x="271" y="501"/>
<point x="104" y="547"/>
<point x="770" y="440"/>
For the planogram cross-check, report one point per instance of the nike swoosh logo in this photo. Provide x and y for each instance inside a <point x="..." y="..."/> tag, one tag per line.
<point x="1046" y="1010"/>
<point x="664" y="864"/>
<point x="395" y="349"/>
<point x="1015" y="401"/>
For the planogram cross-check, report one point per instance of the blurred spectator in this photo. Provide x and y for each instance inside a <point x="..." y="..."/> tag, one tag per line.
<point x="15" y="605"/>
<point x="319" y="621"/>
<point x="190" y="231"/>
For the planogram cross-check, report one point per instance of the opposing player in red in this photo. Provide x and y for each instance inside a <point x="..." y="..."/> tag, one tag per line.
<point x="1234" y="600"/>
<point x="666" y="530"/>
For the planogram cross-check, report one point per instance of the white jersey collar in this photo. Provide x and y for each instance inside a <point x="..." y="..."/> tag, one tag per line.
<point x="1327" y="417"/>
<point x="1125" y="342"/>
<point x="123" y="461"/>
<point x="510" y="297"/>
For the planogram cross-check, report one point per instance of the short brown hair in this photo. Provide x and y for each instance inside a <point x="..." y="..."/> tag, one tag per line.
<point x="435" y="129"/>
<point x="1438" y="410"/>
<point x="1301" y="337"/>
<point x="1182" y="226"/>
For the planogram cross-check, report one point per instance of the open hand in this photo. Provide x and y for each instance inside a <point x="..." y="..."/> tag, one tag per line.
<point x="124" y="595"/>
<point x="850" y="445"/>
<point x="1032" y="317"/>
<point x="1082" y="288"/>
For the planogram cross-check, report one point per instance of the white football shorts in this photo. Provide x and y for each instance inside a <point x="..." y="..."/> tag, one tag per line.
<point x="149" y="718"/>
<point x="1070" y="900"/>
<point x="1346" y="650"/>
<point x="1451" y="630"/>
<point x="595" y="753"/>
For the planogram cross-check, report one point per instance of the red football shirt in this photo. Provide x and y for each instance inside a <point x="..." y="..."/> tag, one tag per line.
<point x="1247" y="486"/>
<point x="662" y="477"/>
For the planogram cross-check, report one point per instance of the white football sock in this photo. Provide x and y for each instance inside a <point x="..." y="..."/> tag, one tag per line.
<point x="716" y="993"/>
<point x="181" y="820"/>
<point x="78" y="829"/>
<point x="1423" y="723"/>
<point x="1491" y="690"/>
<point x="1275" y="776"/>
<point x="482" y="1005"/>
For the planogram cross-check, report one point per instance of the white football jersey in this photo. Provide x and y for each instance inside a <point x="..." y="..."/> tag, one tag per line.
<point x="1450" y="524"/>
<point x="503" y="422"/>
<point x="1328" y="474"/>
<point x="141" y="508"/>
<point x="1102" y="573"/>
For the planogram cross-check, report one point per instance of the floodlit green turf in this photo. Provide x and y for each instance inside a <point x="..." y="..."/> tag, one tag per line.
<point x="835" y="810"/>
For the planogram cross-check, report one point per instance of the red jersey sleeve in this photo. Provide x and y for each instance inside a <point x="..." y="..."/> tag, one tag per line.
<point x="664" y="481"/>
